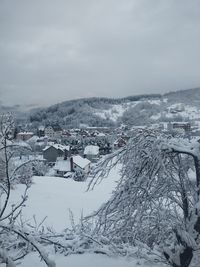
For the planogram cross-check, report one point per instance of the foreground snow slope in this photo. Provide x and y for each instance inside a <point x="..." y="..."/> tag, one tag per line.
<point x="87" y="260"/>
<point x="54" y="196"/>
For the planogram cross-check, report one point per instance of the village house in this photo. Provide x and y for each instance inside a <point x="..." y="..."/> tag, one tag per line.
<point x="179" y="107"/>
<point x="51" y="153"/>
<point x="41" y="131"/>
<point x="66" y="168"/>
<point x="97" y="134"/>
<point x="184" y="126"/>
<point x="24" y="136"/>
<point x="120" y="142"/>
<point x="66" y="134"/>
<point x="91" y="152"/>
<point x="79" y="163"/>
<point x="84" y="133"/>
<point x="63" y="168"/>
<point x="53" y="132"/>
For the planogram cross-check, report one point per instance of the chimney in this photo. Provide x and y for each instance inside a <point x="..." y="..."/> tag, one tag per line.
<point x="45" y="141"/>
<point x="65" y="154"/>
<point x="71" y="164"/>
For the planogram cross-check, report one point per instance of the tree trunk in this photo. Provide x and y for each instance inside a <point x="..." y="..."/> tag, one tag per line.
<point x="197" y="170"/>
<point x="185" y="258"/>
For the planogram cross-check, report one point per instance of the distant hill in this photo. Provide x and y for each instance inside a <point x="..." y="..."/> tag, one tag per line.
<point x="86" y="111"/>
<point x="189" y="96"/>
<point x="135" y="110"/>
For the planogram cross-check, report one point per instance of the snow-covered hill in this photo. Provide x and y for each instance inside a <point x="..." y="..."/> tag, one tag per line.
<point x="179" y="110"/>
<point x="138" y="110"/>
<point x="116" y="111"/>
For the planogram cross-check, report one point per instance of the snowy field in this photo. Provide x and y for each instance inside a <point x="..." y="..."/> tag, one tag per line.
<point x="53" y="197"/>
<point x="87" y="260"/>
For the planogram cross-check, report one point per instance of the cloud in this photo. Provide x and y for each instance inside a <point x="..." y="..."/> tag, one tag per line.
<point x="52" y="51"/>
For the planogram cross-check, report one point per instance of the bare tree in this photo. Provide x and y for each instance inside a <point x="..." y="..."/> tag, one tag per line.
<point x="16" y="239"/>
<point x="156" y="202"/>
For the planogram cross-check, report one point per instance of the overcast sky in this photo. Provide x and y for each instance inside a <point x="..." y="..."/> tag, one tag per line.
<point x="54" y="50"/>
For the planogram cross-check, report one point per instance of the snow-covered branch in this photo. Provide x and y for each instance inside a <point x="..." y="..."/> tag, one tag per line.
<point x="15" y="241"/>
<point x="155" y="201"/>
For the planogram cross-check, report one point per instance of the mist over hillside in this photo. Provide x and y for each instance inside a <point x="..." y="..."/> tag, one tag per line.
<point x="133" y="110"/>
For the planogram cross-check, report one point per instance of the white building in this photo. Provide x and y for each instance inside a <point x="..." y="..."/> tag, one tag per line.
<point x="66" y="168"/>
<point x="53" y="132"/>
<point x="91" y="152"/>
<point x="79" y="163"/>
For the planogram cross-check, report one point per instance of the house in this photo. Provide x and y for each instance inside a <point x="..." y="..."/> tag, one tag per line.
<point x="79" y="163"/>
<point x="52" y="152"/>
<point x="84" y="133"/>
<point x="24" y="136"/>
<point x="120" y="142"/>
<point x="179" y="107"/>
<point x="63" y="168"/>
<point x="91" y="152"/>
<point x="66" y="134"/>
<point x="41" y="131"/>
<point x="53" y="132"/>
<point x="67" y="168"/>
<point x="184" y="126"/>
<point x="41" y="143"/>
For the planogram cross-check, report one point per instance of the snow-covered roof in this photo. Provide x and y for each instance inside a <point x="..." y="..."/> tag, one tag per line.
<point x="41" y="128"/>
<point x="42" y="138"/>
<point x="46" y="147"/>
<point x="120" y="139"/>
<point x="101" y="134"/>
<point x="34" y="138"/>
<point x="62" y="165"/>
<point x="91" y="150"/>
<point x="50" y="143"/>
<point x="26" y="133"/>
<point x="80" y="161"/>
<point x="139" y="127"/>
<point x="58" y="146"/>
<point x="20" y="144"/>
<point x="61" y="147"/>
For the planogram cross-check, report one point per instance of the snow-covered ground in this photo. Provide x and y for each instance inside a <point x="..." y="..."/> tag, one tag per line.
<point x="117" y="110"/>
<point x="53" y="197"/>
<point x="186" y="112"/>
<point x="179" y="109"/>
<point x="87" y="260"/>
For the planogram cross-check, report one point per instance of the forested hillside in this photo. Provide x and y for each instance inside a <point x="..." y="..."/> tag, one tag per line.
<point x="88" y="111"/>
<point x="133" y="110"/>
